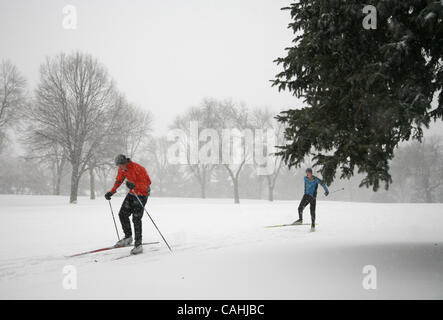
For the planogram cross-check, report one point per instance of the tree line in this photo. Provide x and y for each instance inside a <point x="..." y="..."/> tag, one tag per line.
<point x="76" y="115"/>
<point x="76" y="120"/>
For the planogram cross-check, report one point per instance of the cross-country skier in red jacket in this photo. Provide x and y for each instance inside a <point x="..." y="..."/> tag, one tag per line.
<point x="139" y="183"/>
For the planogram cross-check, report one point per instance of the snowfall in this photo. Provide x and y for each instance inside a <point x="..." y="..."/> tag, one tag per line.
<point x="221" y="250"/>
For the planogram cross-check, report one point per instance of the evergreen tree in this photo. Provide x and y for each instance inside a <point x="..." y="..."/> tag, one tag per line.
<point x="364" y="90"/>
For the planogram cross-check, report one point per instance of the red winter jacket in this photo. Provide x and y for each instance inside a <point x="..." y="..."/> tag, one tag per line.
<point x="136" y="174"/>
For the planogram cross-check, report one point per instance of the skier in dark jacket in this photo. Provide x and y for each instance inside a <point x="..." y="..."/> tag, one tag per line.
<point x="138" y="183"/>
<point x="309" y="197"/>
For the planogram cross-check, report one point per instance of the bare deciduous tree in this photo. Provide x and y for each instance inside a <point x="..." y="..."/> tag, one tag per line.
<point x="128" y="135"/>
<point x="49" y="155"/>
<point x="264" y="119"/>
<point x="234" y="116"/>
<point x="12" y="96"/>
<point x="207" y="117"/>
<point x="163" y="174"/>
<point x="136" y="127"/>
<point x="75" y="107"/>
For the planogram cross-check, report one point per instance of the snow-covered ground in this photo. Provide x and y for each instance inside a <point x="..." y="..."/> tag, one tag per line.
<point x="221" y="250"/>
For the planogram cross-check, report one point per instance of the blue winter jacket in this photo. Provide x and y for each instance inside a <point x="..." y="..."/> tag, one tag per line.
<point x="312" y="185"/>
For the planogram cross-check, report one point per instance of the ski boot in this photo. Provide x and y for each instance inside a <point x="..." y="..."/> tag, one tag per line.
<point x="299" y="221"/>
<point x="124" y="242"/>
<point x="313" y="227"/>
<point x="137" y="249"/>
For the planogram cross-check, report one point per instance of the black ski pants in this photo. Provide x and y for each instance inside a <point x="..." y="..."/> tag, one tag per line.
<point x="131" y="206"/>
<point x="307" y="199"/>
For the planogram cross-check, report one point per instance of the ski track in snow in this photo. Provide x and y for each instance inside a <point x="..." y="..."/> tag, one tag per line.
<point x="221" y="250"/>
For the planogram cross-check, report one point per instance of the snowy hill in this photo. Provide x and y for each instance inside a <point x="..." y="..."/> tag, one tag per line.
<point x="221" y="250"/>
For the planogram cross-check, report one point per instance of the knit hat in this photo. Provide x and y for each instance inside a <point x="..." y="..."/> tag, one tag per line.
<point x="121" y="159"/>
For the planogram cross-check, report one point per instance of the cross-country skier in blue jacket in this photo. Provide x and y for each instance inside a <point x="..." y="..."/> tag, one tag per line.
<point x="311" y="185"/>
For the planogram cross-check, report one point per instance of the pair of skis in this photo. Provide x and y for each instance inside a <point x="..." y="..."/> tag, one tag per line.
<point x="105" y="249"/>
<point x="290" y="225"/>
<point x="300" y="224"/>
<point x="151" y="243"/>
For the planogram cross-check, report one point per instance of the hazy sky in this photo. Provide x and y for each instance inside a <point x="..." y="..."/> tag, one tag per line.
<point x="165" y="55"/>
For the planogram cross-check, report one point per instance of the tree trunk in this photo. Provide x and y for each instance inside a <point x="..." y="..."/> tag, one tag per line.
<point x="58" y="179"/>
<point x="271" y="194"/>
<point x="54" y="178"/>
<point x="234" y="179"/>
<point x="75" y="179"/>
<point x="202" y="180"/>
<point x="270" y="188"/>
<point x="92" y="183"/>
<point x="57" y="186"/>
<point x="236" y="195"/>
<point x="74" y="183"/>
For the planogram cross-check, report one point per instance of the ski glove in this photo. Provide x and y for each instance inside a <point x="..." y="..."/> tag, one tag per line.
<point x="130" y="185"/>
<point x="108" y="195"/>
<point x="326" y="193"/>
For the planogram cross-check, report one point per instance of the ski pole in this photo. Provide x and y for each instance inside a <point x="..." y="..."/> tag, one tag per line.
<point x="153" y="222"/>
<point x="112" y="212"/>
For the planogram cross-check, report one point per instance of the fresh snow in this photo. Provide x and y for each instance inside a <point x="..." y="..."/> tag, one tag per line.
<point x="221" y="250"/>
